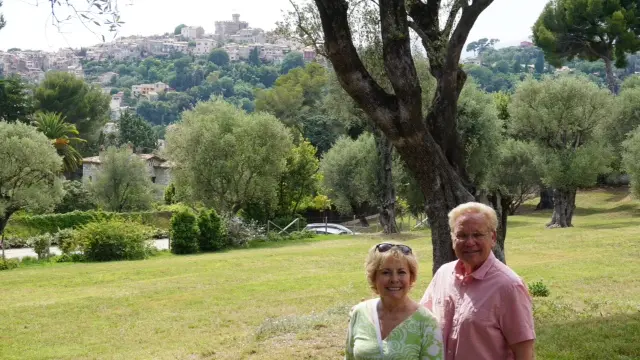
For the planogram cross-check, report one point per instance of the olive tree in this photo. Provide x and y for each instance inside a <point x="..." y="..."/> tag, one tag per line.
<point x="560" y="116"/>
<point x="348" y="175"/>
<point x="226" y="158"/>
<point x="29" y="168"/>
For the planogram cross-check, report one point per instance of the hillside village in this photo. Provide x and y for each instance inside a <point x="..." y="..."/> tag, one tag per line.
<point x="236" y="37"/>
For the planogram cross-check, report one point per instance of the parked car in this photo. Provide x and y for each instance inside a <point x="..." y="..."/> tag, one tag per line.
<point x="334" y="229"/>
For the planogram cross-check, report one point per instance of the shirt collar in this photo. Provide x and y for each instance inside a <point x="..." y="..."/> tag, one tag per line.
<point x="481" y="272"/>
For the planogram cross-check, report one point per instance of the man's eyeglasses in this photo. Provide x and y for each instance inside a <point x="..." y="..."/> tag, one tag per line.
<point x="384" y="247"/>
<point x="475" y="236"/>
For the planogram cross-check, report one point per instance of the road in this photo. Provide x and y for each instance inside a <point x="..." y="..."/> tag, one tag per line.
<point x="160" y="244"/>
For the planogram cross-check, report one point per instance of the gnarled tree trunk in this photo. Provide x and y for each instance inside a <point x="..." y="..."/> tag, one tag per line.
<point x="546" y="199"/>
<point x="564" y="205"/>
<point x="431" y="147"/>
<point x="385" y="187"/>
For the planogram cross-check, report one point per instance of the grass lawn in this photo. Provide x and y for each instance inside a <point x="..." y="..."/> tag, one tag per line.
<point x="290" y="301"/>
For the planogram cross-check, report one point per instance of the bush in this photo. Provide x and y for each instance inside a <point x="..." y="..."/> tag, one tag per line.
<point x="9" y="264"/>
<point x="64" y="239"/>
<point x="69" y="258"/>
<point x="538" y="289"/>
<point x="212" y="232"/>
<point x="242" y="232"/>
<point x="113" y="240"/>
<point x="52" y="223"/>
<point x="184" y="232"/>
<point x="76" y="197"/>
<point x="169" y="194"/>
<point x="41" y="245"/>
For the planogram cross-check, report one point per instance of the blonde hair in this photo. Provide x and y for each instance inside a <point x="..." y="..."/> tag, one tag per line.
<point x="473" y="208"/>
<point x="375" y="259"/>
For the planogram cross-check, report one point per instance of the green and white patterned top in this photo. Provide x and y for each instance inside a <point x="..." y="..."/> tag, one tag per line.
<point x="416" y="338"/>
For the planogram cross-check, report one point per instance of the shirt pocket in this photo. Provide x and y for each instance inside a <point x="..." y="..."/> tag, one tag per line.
<point x="480" y="315"/>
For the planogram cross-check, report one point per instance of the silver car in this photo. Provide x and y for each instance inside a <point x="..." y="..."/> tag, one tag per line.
<point x="334" y="229"/>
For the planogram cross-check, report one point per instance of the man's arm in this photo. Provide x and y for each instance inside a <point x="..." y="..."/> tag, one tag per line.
<point x="523" y="350"/>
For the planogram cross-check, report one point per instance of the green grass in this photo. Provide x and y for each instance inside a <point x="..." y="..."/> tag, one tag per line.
<point x="290" y="300"/>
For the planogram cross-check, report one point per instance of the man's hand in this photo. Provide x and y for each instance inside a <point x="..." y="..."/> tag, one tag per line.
<point x="523" y="350"/>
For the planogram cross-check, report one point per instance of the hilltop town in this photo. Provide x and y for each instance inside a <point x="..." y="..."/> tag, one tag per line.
<point x="236" y="37"/>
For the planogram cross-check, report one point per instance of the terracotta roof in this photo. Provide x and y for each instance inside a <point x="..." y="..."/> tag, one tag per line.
<point x="145" y="157"/>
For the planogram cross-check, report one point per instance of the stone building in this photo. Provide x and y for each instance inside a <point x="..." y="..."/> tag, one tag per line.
<point x="225" y="28"/>
<point x="159" y="169"/>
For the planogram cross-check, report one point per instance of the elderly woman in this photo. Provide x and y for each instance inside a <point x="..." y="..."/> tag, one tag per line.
<point x="392" y="326"/>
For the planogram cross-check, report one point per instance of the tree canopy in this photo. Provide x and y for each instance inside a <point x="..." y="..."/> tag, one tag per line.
<point x="29" y="171"/>
<point x="591" y="30"/>
<point x="227" y="158"/>
<point x="122" y="182"/>
<point x="132" y="129"/>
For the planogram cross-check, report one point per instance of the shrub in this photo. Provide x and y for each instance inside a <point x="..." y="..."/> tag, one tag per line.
<point x="184" y="232"/>
<point x="76" y="197"/>
<point x="169" y="194"/>
<point x="113" y="240"/>
<point x="64" y="240"/>
<point x="9" y="264"/>
<point x="69" y="258"/>
<point x="538" y="289"/>
<point x="52" y="223"/>
<point x="212" y="235"/>
<point x="41" y="245"/>
<point x="242" y="232"/>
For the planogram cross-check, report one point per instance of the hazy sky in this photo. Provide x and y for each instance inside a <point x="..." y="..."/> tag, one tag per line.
<point x="29" y="24"/>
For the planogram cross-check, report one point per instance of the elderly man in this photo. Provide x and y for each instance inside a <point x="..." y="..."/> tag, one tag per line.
<point x="483" y="307"/>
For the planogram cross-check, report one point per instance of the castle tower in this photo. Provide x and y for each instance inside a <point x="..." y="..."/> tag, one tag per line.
<point x="236" y="17"/>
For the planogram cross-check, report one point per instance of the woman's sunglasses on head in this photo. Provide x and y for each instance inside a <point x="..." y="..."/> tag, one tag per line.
<point x="384" y="247"/>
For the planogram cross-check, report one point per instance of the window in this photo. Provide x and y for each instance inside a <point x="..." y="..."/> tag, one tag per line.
<point x="153" y="179"/>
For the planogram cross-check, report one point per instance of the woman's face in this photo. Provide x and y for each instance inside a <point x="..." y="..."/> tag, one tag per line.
<point x="393" y="279"/>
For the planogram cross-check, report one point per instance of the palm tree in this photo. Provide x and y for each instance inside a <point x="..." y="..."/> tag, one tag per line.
<point x="62" y="135"/>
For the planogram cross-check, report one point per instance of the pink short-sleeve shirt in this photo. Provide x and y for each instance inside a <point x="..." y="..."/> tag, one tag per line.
<point x="480" y="314"/>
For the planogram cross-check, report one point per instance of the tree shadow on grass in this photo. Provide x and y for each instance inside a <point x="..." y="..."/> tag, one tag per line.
<point x="608" y="225"/>
<point x="632" y="209"/>
<point x="611" y="338"/>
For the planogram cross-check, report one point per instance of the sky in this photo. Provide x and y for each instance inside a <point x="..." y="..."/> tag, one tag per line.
<point x="30" y="26"/>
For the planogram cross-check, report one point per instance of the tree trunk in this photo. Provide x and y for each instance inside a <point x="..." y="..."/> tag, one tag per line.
<point x="611" y="80"/>
<point x="500" y="204"/>
<point x="442" y="188"/>
<point x="564" y="205"/>
<point x="385" y="187"/>
<point x="546" y="199"/>
<point x="360" y="214"/>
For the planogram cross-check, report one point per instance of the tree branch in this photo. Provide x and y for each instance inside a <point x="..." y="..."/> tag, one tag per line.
<point x="350" y="70"/>
<point x="398" y="63"/>
<point x="469" y="16"/>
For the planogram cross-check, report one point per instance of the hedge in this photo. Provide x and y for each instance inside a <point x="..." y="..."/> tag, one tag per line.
<point x="51" y="223"/>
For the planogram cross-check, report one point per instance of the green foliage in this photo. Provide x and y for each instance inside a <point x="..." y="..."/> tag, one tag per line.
<point x="228" y="158"/>
<point x="63" y="137"/>
<point x="122" y="183"/>
<point x="349" y="174"/>
<point x="538" y="289"/>
<point x="83" y="105"/>
<point x="114" y="240"/>
<point x="9" y="264"/>
<point x="135" y="131"/>
<point x="254" y="58"/>
<point x="41" y="245"/>
<point x="291" y="61"/>
<point x="515" y="172"/>
<point x="631" y="82"/>
<point x="625" y="118"/>
<point x="299" y="179"/>
<point x="184" y="233"/>
<point x="589" y="30"/>
<point x="169" y="194"/>
<point x="560" y="116"/>
<point x="76" y="197"/>
<point x="15" y="102"/>
<point x="219" y="57"/>
<point x="52" y="223"/>
<point x="212" y="231"/>
<point x="479" y="129"/>
<point x="29" y="171"/>
<point x="631" y="159"/>
<point x="66" y="241"/>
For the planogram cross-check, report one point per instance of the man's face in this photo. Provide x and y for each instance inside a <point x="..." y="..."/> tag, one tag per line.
<point x="473" y="239"/>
